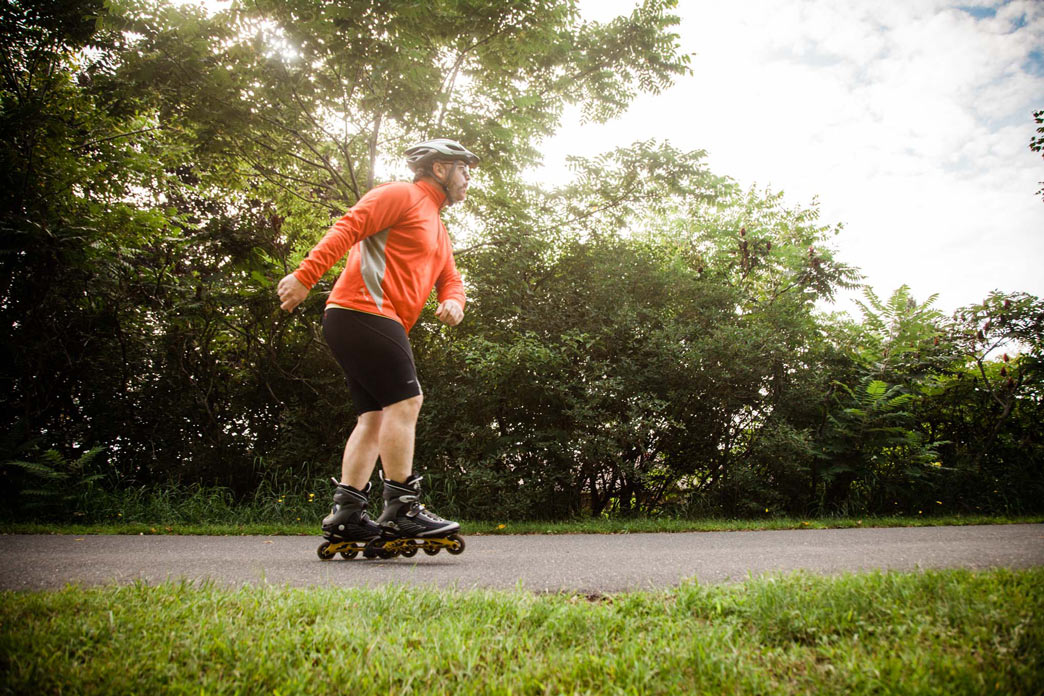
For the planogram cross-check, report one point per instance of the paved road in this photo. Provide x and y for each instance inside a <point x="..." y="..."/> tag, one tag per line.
<point x="563" y="563"/>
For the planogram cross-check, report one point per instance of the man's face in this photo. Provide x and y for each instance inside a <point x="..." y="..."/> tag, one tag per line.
<point x="455" y="177"/>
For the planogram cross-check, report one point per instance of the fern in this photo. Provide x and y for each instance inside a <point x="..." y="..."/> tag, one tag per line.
<point x="39" y="470"/>
<point x="55" y="481"/>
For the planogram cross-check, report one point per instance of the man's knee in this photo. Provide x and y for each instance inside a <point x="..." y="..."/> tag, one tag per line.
<point x="369" y="421"/>
<point x="407" y="408"/>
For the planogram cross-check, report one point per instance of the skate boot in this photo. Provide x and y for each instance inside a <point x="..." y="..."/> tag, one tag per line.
<point x="348" y="527"/>
<point x="406" y="525"/>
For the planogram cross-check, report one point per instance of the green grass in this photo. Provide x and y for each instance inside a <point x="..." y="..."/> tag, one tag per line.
<point x="581" y="526"/>
<point x="294" y="506"/>
<point x="937" y="632"/>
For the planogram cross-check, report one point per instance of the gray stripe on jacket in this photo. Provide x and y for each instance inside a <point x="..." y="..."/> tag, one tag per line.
<point x="373" y="263"/>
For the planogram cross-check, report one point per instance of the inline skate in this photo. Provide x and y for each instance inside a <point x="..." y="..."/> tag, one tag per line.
<point x="407" y="527"/>
<point x="348" y="528"/>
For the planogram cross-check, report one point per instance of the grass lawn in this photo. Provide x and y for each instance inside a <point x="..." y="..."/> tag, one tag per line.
<point x="582" y="526"/>
<point x="936" y="632"/>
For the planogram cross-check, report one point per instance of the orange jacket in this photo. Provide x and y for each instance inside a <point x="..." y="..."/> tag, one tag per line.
<point x="400" y="251"/>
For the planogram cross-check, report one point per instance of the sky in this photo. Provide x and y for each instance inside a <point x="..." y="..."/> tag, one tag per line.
<point x="909" y="121"/>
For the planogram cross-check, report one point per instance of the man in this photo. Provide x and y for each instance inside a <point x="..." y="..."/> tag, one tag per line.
<point x="400" y="250"/>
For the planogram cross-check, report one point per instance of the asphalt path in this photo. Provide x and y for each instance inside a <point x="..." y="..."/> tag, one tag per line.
<point x="582" y="563"/>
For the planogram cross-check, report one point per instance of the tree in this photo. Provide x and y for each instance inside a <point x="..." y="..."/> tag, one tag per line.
<point x="948" y="406"/>
<point x="987" y="407"/>
<point x="166" y="165"/>
<point x="643" y="339"/>
<point x="871" y="447"/>
<point x="1037" y="141"/>
<point x="632" y="352"/>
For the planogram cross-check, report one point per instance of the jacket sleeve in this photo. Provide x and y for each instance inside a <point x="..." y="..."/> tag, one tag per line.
<point x="449" y="285"/>
<point x="379" y="209"/>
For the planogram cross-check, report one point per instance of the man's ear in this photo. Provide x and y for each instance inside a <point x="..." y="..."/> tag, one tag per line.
<point x="438" y="168"/>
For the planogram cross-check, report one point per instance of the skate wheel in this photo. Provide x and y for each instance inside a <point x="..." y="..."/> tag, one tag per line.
<point x="349" y="555"/>
<point x="458" y="545"/>
<point x="386" y="554"/>
<point x="373" y="548"/>
<point x="409" y="552"/>
<point x="324" y="551"/>
<point x="431" y="550"/>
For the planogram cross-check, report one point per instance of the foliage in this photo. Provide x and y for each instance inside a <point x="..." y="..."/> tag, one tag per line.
<point x="964" y="405"/>
<point x="872" y="439"/>
<point x="52" y="485"/>
<point x="1037" y="141"/>
<point x="988" y="407"/>
<point x="643" y="340"/>
<point x="653" y="363"/>
<point x="166" y="165"/>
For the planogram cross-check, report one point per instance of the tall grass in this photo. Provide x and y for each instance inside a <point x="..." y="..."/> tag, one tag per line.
<point x="938" y="632"/>
<point x="310" y="526"/>
<point x="304" y="502"/>
<point x="286" y="504"/>
<point x="278" y="499"/>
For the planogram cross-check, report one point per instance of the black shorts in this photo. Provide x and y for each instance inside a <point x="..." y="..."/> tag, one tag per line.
<point x="375" y="355"/>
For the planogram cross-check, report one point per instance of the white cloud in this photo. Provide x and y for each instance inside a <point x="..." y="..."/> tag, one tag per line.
<point x="910" y="121"/>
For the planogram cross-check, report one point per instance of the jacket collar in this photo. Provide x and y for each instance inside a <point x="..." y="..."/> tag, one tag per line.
<point x="434" y="191"/>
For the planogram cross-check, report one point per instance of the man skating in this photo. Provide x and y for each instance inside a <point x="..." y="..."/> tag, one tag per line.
<point x="400" y="250"/>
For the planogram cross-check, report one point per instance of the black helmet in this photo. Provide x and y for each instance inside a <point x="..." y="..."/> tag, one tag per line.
<point x="422" y="154"/>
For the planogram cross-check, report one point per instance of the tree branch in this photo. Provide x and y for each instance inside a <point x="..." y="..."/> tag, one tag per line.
<point x="260" y="169"/>
<point x="373" y="151"/>
<point x="462" y="252"/>
<point x="11" y="76"/>
<point x="329" y="167"/>
<point x="306" y="182"/>
<point x="296" y="134"/>
<point x="114" y="137"/>
<point x="449" y="91"/>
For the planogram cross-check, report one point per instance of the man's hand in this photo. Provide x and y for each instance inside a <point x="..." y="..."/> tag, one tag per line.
<point x="449" y="312"/>
<point x="292" y="292"/>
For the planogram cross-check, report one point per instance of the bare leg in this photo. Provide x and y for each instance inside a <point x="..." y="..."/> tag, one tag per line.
<point x="403" y="516"/>
<point x="360" y="452"/>
<point x="398" y="430"/>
